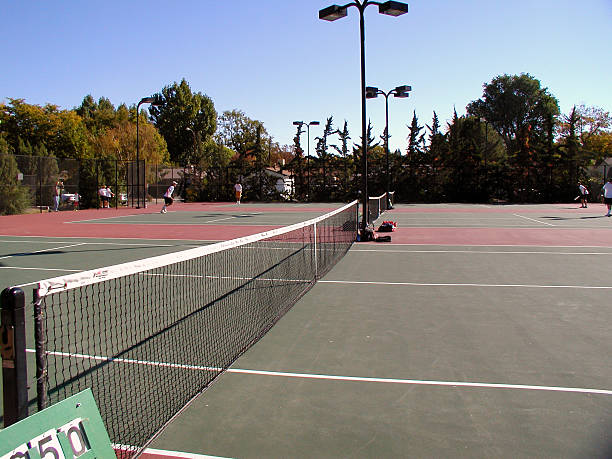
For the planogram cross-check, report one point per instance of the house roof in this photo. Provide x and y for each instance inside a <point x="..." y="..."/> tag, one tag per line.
<point x="605" y="162"/>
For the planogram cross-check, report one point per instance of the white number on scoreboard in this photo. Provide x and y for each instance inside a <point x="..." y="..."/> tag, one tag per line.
<point x="48" y="444"/>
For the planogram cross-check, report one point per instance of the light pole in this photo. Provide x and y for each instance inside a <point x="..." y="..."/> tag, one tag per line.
<point x="196" y="147"/>
<point x="155" y="102"/>
<point x="312" y="123"/>
<point x="372" y="93"/>
<point x="331" y="13"/>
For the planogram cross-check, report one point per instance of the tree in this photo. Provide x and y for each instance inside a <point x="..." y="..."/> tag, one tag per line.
<point x="97" y="116"/>
<point x="183" y="109"/>
<point x="571" y="141"/>
<point x="62" y="132"/>
<point x="297" y="164"/>
<point x="437" y="141"/>
<point x="519" y="109"/>
<point x="415" y="141"/>
<point x="323" y="157"/>
<point x="592" y="128"/>
<point x="14" y="198"/>
<point x="243" y="135"/>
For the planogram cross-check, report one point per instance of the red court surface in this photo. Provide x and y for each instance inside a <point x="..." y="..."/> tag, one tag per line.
<point x="68" y="223"/>
<point x="504" y="236"/>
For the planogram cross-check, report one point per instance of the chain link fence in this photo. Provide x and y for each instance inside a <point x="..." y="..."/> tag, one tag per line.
<point x="69" y="184"/>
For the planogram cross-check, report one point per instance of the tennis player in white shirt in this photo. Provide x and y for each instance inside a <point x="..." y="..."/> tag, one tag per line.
<point x="168" y="199"/>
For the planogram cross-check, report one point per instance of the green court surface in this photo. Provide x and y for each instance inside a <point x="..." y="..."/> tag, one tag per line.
<point x="429" y="354"/>
<point x="403" y="349"/>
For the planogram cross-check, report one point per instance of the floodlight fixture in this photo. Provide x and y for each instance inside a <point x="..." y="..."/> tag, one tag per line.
<point x="371" y="92"/>
<point x="398" y="91"/>
<point x="393" y="8"/>
<point x="333" y="12"/>
<point x="403" y="89"/>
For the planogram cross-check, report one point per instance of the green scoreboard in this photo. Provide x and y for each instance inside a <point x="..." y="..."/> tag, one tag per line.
<point x="69" y="429"/>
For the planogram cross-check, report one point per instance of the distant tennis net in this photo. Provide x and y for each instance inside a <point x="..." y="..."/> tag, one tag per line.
<point x="148" y="336"/>
<point x="379" y="204"/>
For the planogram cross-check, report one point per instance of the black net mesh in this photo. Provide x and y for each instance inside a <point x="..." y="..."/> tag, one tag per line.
<point x="148" y="341"/>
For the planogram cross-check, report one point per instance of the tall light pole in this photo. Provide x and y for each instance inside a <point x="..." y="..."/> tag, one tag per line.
<point x="155" y="102"/>
<point x="196" y="147"/>
<point x="331" y="13"/>
<point x="312" y="123"/>
<point x="372" y="93"/>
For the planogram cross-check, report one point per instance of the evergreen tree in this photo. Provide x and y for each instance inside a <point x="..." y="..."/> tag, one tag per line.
<point x="415" y="141"/>
<point x="323" y="158"/>
<point x="347" y="163"/>
<point x="14" y="198"/>
<point x="297" y="164"/>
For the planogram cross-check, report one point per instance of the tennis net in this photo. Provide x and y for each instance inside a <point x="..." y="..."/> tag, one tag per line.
<point x="148" y="336"/>
<point x="379" y="204"/>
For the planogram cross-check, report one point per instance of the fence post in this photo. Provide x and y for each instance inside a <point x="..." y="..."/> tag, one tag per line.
<point x="13" y="349"/>
<point x="40" y="192"/>
<point x="116" y="186"/>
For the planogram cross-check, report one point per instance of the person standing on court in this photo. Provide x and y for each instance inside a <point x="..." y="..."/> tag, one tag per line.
<point x="238" y="188"/>
<point x="584" y="193"/>
<point x="168" y="199"/>
<point x="607" y="194"/>
<point x="103" y="197"/>
<point x="109" y="194"/>
<point x="57" y="195"/>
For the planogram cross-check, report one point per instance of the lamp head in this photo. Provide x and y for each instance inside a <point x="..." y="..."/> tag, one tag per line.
<point x="314" y="123"/>
<point x="331" y="13"/>
<point x="393" y="8"/>
<point x="156" y="101"/>
<point x="371" y="92"/>
<point x="298" y="123"/>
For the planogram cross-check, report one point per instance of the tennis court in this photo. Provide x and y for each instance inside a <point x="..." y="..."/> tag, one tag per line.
<point x="479" y="331"/>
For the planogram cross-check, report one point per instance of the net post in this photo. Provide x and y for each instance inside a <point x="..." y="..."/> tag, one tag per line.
<point x="41" y="357"/>
<point x="14" y="367"/>
<point x="316" y="248"/>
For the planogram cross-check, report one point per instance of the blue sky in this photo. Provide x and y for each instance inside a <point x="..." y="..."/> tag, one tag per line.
<point x="277" y="62"/>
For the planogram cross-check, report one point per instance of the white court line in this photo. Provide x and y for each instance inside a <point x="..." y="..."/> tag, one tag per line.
<point x="425" y="284"/>
<point x="104" y="243"/>
<point x="121" y="219"/>
<point x="104" y="218"/>
<point x="204" y="223"/>
<point x="42" y="269"/>
<point x="341" y="378"/>
<point x="533" y="220"/>
<point x="233" y="216"/>
<point x="423" y="382"/>
<point x="485" y="252"/>
<point x="420" y="244"/>
<point x="160" y="452"/>
<point x="45" y="250"/>
<point x="97" y="238"/>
